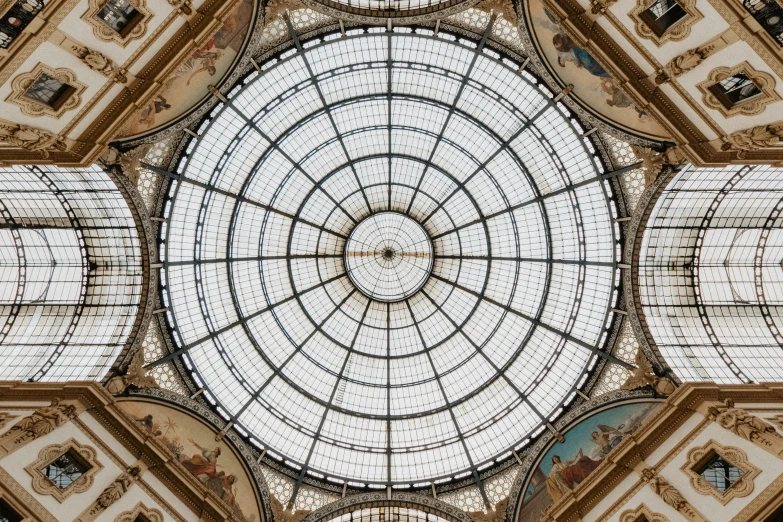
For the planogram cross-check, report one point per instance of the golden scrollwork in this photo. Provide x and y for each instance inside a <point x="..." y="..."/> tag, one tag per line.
<point x="678" y="31"/>
<point x="642" y="513"/>
<point x="103" y="32"/>
<point x="70" y="99"/>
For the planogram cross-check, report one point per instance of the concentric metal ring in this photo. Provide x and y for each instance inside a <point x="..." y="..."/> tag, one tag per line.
<point x="524" y="257"/>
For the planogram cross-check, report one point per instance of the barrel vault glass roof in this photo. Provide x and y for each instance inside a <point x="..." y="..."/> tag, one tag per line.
<point x="524" y="273"/>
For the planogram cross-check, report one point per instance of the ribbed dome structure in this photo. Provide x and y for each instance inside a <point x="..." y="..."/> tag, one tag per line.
<point x="390" y="257"/>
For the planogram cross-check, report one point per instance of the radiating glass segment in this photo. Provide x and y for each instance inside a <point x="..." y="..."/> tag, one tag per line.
<point x="444" y="144"/>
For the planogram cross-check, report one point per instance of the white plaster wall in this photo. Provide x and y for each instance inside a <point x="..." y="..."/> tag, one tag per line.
<point x="179" y="506"/>
<point x="80" y="30"/>
<point x="690" y="114"/>
<point x="611" y="497"/>
<point x="705" y="29"/>
<point x="136" y="495"/>
<point x="729" y="57"/>
<point x="675" y="438"/>
<point x="108" y="439"/>
<point x="89" y="118"/>
<point x="56" y="57"/>
<point x="771" y="467"/>
<point x="653" y="502"/>
<point x="616" y="35"/>
<point x="72" y="506"/>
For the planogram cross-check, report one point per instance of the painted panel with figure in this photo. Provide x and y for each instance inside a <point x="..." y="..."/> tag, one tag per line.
<point x="566" y="465"/>
<point x="191" y="81"/>
<point x="193" y="444"/>
<point x="592" y="83"/>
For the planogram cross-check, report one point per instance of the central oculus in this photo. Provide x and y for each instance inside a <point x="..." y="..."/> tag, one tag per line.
<point x="388" y="256"/>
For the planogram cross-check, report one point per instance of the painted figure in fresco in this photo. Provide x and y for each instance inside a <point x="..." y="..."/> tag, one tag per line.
<point x="565" y="476"/>
<point x="566" y="48"/>
<point x="205" y="58"/>
<point x="606" y="437"/>
<point x="203" y="465"/>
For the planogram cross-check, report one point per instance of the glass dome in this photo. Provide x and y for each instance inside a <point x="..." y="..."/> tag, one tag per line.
<point x="341" y="158"/>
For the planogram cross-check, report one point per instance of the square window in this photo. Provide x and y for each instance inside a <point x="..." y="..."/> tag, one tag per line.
<point x="734" y="90"/>
<point x="7" y="513"/>
<point x="49" y="91"/>
<point x="120" y="15"/>
<point x="719" y="472"/>
<point x="65" y="470"/>
<point x="662" y="15"/>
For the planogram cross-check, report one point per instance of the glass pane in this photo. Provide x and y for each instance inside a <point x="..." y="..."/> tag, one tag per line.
<point x="118" y="14"/>
<point x="46" y="89"/>
<point x="7" y="513"/>
<point x="720" y="473"/>
<point x="64" y="471"/>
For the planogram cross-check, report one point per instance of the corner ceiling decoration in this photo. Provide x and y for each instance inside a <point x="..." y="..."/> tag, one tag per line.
<point x="390" y="257"/>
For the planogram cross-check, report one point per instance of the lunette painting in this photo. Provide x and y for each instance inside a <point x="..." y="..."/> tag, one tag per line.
<point x="565" y="465"/>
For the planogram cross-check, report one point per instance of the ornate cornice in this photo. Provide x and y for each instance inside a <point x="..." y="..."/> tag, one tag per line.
<point x="149" y="279"/>
<point x="633" y="244"/>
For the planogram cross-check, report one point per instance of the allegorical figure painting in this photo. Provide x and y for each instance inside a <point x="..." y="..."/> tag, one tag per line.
<point x="566" y="465"/>
<point x="592" y="83"/>
<point x="194" y="446"/>
<point x="206" y="66"/>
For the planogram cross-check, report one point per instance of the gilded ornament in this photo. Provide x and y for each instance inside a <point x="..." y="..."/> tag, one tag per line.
<point x="747" y="426"/>
<point x="670" y="494"/>
<point x="31" y="138"/>
<point x="760" y="137"/>
<point x="643" y="375"/>
<point x="135" y="375"/>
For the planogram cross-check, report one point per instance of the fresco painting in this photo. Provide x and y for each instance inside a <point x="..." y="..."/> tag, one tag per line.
<point x="592" y="84"/>
<point x="189" y="83"/>
<point x="193" y="443"/>
<point x="567" y="464"/>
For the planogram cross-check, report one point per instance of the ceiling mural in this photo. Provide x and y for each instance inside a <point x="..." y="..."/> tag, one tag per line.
<point x="593" y="85"/>
<point x="186" y="86"/>
<point x="214" y="464"/>
<point x="567" y="464"/>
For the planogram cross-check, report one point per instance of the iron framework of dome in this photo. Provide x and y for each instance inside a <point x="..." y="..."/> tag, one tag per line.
<point x="503" y="302"/>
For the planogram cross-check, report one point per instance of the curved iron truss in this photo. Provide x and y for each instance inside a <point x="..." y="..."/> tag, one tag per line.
<point x="72" y="286"/>
<point x="439" y="385"/>
<point x="710" y="257"/>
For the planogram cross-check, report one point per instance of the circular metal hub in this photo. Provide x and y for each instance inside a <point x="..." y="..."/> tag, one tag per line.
<point x="388" y="256"/>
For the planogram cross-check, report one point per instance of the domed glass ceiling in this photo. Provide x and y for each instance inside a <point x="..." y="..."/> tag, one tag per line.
<point x="390" y="257"/>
